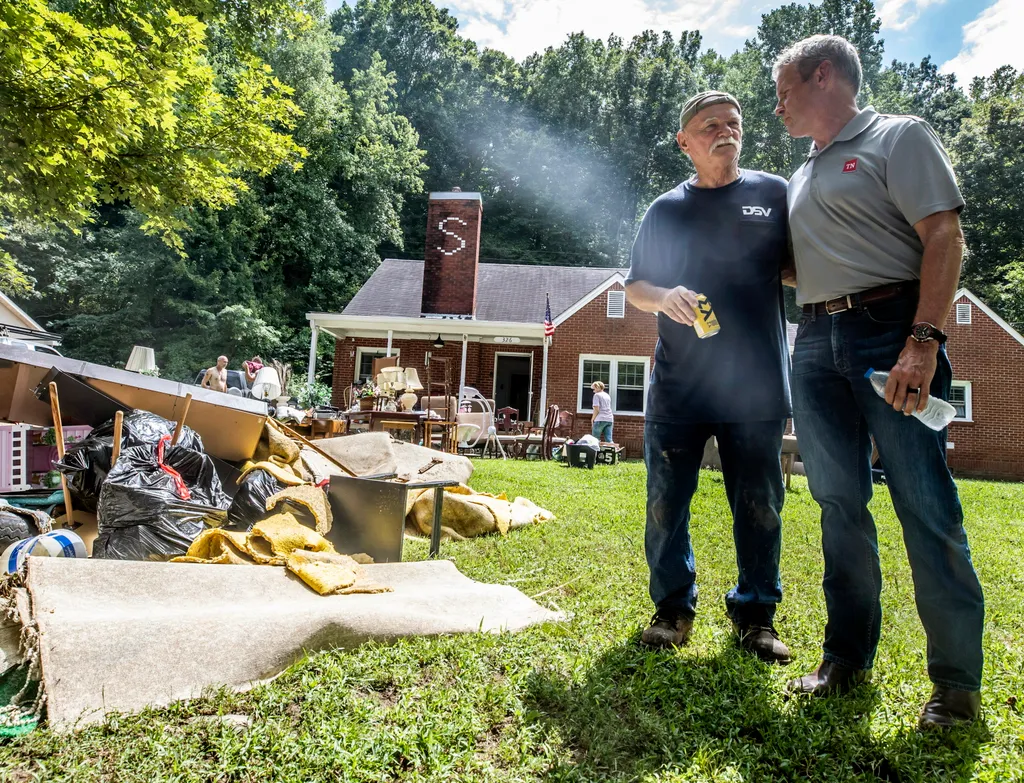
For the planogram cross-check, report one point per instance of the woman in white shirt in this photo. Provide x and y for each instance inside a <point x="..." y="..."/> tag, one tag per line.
<point x="601" y="420"/>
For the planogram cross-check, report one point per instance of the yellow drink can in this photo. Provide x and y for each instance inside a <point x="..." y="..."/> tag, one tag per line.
<point x="706" y="324"/>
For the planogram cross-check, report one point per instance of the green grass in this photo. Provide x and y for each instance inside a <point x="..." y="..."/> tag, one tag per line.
<point x="580" y="701"/>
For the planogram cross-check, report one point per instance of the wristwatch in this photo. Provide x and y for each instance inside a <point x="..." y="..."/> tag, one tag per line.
<point x="924" y="331"/>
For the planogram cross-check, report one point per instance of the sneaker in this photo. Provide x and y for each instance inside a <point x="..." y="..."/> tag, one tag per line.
<point x="668" y="628"/>
<point x="763" y="641"/>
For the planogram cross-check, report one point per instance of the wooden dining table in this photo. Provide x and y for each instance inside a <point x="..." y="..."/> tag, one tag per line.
<point x="379" y="421"/>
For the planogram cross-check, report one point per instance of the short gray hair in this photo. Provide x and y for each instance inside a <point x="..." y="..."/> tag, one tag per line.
<point x="811" y="52"/>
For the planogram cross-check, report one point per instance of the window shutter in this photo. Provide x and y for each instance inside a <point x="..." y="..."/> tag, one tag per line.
<point x="963" y="313"/>
<point x="616" y="304"/>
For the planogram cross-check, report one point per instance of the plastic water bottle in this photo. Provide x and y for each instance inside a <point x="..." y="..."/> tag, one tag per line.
<point x="937" y="414"/>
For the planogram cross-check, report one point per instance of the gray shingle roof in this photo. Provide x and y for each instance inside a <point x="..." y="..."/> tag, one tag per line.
<point x="505" y="292"/>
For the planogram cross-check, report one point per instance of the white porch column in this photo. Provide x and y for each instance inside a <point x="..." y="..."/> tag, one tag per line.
<point x="543" y="410"/>
<point x="390" y="333"/>
<point x="462" y="371"/>
<point x="311" y="375"/>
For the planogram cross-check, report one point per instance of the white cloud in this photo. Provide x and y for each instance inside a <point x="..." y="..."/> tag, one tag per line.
<point x="527" y="26"/>
<point x="990" y="41"/>
<point x="900" y="14"/>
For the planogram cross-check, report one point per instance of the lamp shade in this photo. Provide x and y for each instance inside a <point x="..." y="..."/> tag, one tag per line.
<point x="394" y="377"/>
<point x="412" y="379"/>
<point x="267" y="385"/>
<point x="142" y="359"/>
<point x="439" y="343"/>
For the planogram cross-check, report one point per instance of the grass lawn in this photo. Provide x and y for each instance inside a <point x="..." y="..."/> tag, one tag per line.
<point x="580" y="701"/>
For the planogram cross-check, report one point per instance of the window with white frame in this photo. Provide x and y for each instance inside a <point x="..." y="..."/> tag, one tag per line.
<point x="963" y="313"/>
<point x="625" y="378"/>
<point x="960" y="398"/>
<point x="616" y="304"/>
<point x="364" y="361"/>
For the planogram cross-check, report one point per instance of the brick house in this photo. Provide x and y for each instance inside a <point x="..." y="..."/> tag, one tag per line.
<point x="987" y="437"/>
<point x="487" y="320"/>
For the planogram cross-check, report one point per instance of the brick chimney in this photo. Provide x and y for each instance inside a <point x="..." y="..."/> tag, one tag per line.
<point x="452" y="253"/>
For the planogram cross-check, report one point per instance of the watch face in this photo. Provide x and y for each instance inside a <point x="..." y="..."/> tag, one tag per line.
<point x="922" y="331"/>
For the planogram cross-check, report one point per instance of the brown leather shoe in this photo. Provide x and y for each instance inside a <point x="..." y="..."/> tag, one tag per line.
<point x="949" y="707"/>
<point x="668" y="628"/>
<point x="828" y="679"/>
<point x="764" y="642"/>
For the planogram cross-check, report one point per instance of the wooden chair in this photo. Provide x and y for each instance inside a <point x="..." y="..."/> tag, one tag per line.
<point x="506" y="421"/>
<point x="556" y="430"/>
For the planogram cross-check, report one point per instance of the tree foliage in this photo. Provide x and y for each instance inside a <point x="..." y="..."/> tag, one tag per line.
<point x="190" y="118"/>
<point x="120" y="103"/>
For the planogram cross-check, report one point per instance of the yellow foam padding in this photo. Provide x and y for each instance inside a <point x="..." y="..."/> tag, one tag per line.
<point x="280" y="534"/>
<point x="464" y="513"/>
<point x="218" y="546"/>
<point x="276" y="446"/>
<point x="330" y="573"/>
<point x="306" y="498"/>
<point x="283" y="473"/>
<point x="325" y="572"/>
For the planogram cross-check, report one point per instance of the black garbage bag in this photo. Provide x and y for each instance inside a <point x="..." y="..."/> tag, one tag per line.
<point x="249" y="505"/>
<point x="154" y="501"/>
<point x="87" y="463"/>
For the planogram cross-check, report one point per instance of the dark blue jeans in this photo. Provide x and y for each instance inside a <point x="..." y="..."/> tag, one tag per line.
<point x="750" y="455"/>
<point x="835" y="409"/>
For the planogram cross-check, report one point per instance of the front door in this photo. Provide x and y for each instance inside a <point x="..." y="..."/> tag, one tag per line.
<point x="512" y="381"/>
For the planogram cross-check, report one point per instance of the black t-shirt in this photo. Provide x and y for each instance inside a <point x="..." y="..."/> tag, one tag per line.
<point x="728" y="244"/>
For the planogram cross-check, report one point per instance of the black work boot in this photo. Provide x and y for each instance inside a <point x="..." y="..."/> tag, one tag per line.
<point x="762" y="641"/>
<point x="668" y="628"/>
<point x="828" y="679"/>
<point x="949" y="707"/>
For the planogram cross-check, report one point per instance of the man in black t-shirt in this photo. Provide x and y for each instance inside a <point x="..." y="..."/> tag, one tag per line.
<point x="722" y="234"/>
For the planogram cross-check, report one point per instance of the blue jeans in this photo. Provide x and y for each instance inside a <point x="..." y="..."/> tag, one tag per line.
<point x="750" y="455"/>
<point x="602" y="430"/>
<point x="834" y="409"/>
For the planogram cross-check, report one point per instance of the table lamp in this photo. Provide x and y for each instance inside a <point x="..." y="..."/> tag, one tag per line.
<point x="412" y="385"/>
<point x="267" y="385"/>
<point x="141" y="359"/>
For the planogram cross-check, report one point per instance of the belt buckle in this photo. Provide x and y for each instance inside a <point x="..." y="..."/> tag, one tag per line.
<point x="847" y="300"/>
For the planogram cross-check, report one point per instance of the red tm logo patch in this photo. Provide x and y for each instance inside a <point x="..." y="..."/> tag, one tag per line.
<point x="850" y="165"/>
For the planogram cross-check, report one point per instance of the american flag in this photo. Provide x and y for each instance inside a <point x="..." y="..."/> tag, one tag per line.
<point x="549" y="327"/>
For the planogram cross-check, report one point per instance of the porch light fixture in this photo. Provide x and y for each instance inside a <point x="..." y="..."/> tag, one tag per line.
<point x="439" y="343"/>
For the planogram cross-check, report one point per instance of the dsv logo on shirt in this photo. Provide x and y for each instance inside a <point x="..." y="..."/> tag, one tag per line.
<point x="762" y="211"/>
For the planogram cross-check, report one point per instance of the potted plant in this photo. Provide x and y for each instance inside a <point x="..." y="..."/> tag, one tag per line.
<point x="313" y="395"/>
<point x="367" y="395"/>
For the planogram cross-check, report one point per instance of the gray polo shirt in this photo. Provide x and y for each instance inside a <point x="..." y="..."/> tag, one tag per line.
<point x="853" y="205"/>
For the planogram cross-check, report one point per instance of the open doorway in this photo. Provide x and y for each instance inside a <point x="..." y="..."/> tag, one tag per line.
<point x="513" y="377"/>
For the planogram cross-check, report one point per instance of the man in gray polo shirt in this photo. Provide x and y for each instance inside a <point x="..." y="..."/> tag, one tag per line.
<point x="874" y="220"/>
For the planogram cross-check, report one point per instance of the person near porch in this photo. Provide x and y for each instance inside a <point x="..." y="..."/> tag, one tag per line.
<point x="601" y="420"/>
<point x="251" y="367"/>
<point x="874" y="216"/>
<point x="216" y="377"/>
<point x="723" y="234"/>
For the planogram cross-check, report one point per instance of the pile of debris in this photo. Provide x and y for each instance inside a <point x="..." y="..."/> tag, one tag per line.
<point x="154" y="501"/>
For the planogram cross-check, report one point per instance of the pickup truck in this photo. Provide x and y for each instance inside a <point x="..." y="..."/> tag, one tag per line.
<point x="236" y="380"/>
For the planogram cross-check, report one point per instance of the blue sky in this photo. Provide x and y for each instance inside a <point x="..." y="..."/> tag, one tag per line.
<point x="966" y="37"/>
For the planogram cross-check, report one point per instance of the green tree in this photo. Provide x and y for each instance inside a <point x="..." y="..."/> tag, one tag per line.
<point x="119" y="102"/>
<point x="988" y="154"/>
<point x="295" y="240"/>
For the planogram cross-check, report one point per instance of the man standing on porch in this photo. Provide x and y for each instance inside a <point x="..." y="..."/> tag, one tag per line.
<point x="723" y="234"/>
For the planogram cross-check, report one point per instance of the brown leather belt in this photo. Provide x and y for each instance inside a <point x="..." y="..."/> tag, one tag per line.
<point x="861" y="300"/>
